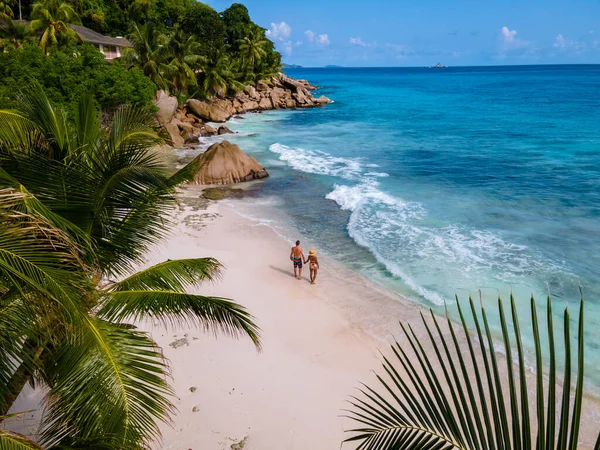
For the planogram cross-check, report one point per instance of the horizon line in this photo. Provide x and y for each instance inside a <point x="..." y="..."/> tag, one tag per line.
<point x="336" y="66"/>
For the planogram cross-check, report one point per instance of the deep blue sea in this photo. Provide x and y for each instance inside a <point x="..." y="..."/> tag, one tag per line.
<point x="444" y="182"/>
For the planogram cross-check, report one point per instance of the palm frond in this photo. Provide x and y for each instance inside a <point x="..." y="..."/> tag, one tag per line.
<point x="15" y="441"/>
<point x="173" y="275"/>
<point x="107" y="381"/>
<point x="452" y="399"/>
<point x="173" y="308"/>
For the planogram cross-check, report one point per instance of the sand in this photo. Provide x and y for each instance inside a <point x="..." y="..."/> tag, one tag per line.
<point x="318" y="340"/>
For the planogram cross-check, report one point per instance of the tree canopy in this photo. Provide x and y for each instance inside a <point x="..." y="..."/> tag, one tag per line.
<point x="183" y="46"/>
<point x="66" y="78"/>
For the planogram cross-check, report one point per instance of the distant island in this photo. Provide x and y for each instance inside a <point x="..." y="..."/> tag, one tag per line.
<point x="332" y="66"/>
<point x="292" y="66"/>
<point x="438" y="66"/>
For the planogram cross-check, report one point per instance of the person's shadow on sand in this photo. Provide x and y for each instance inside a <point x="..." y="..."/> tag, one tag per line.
<point x="285" y="272"/>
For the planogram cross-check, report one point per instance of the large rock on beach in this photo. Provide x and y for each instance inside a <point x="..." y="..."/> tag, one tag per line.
<point x="249" y="106"/>
<point x="173" y="130"/>
<point x="208" y="130"/>
<point x="265" y="103"/>
<point x="167" y="107"/>
<point x="224" y="130"/>
<point x="226" y="163"/>
<point x="213" y="112"/>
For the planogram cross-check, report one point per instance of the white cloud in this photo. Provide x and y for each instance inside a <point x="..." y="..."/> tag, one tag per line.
<point x="310" y="35"/>
<point x="560" y="42"/>
<point x="298" y="43"/>
<point x="509" y="43"/>
<point x="287" y="47"/>
<point x="508" y="35"/>
<point x="323" y="39"/>
<point x="581" y="45"/>
<point x="279" y="31"/>
<point x="357" y="41"/>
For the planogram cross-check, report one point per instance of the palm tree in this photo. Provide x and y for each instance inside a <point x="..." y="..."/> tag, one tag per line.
<point x="147" y="52"/>
<point x="14" y="33"/>
<point x="6" y="12"/>
<point x="51" y="18"/>
<point x="253" y="46"/>
<point x="63" y="321"/>
<point x="468" y="402"/>
<point x="218" y="76"/>
<point x="183" y="55"/>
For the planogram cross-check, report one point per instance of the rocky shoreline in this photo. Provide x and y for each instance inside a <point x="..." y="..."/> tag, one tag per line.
<point x="187" y="123"/>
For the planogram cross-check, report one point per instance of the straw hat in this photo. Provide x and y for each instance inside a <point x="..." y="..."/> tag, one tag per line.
<point x="312" y="252"/>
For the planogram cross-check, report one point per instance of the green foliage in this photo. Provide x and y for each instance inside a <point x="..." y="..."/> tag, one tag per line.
<point x="173" y="42"/>
<point x="183" y="55"/>
<point x="66" y="78"/>
<point x="51" y="19"/>
<point x="6" y="12"/>
<point x="204" y="23"/>
<point x="13" y="34"/>
<point x="219" y="76"/>
<point x="440" y="396"/>
<point x="237" y="23"/>
<point x="146" y="53"/>
<point x="81" y="203"/>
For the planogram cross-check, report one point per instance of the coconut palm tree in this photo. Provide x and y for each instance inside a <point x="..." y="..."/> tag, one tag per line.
<point x="63" y="320"/>
<point x="6" y="12"/>
<point x="468" y="401"/>
<point x="14" y="33"/>
<point x="51" y="18"/>
<point x="182" y="53"/>
<point x="218" y="75"/>
<point x="253" y="46"/>
<point x="147" y="52"/>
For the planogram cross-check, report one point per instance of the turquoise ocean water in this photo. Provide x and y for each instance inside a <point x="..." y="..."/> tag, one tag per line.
<point x="442" y="182"/>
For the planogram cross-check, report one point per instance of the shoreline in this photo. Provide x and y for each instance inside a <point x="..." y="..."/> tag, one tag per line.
<point x="345" y="315"/>
<point x="319" y="342"/>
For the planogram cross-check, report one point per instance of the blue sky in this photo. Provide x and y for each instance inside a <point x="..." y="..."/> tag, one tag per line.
<point x="418" y="33"/>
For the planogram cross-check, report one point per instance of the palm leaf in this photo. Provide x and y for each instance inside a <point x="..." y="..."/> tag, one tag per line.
<point x="427" y="406"/>
<point x="108" y="381"/>
<point x="174" y="275"/>
<point x="15" y="441"/>
<point x="211" y="313"/>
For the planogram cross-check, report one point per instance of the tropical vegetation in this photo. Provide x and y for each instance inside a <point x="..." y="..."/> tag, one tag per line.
<point x="183" y="46"/>
<point x="451" y="392"/>
<point x="66" y="79"/>
<point x="79" y="206"/>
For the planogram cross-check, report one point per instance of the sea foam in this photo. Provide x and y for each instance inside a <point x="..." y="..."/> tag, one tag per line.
<point x="318" y="162"/>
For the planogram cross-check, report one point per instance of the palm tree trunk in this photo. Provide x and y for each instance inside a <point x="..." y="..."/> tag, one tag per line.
<point x="21" y="376"/>
<point x="20" y="12"/>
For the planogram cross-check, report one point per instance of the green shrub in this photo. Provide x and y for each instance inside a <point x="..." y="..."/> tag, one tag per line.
<point x="67" y="75"/>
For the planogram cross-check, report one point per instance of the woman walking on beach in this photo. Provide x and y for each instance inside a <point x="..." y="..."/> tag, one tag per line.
<point x="314" y="265"/>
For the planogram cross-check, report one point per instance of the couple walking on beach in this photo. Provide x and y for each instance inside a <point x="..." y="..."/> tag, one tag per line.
<point x="297" y="257"/>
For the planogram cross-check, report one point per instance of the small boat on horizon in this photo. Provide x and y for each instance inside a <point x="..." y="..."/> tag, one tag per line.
<point x="438" y="66"/>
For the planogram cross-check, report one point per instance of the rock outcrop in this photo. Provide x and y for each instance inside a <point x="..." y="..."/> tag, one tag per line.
<point x="175" y="136"/>
<point x="224" y="130"/>
<point x="226" y="163"/>
<point x="186" y="125"/>
<point x="167" y="107"/>
<point x="213" y="112"/>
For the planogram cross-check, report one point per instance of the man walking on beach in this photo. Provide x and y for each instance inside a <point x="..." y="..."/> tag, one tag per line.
<point x="297" y="256"/>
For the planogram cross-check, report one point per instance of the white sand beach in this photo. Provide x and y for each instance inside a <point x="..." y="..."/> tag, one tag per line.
<point x="319" y="342"/>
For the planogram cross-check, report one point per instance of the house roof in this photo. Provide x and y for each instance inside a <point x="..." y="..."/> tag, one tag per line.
<point x="88" y="35"/>
<point x="97" y="38"/>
